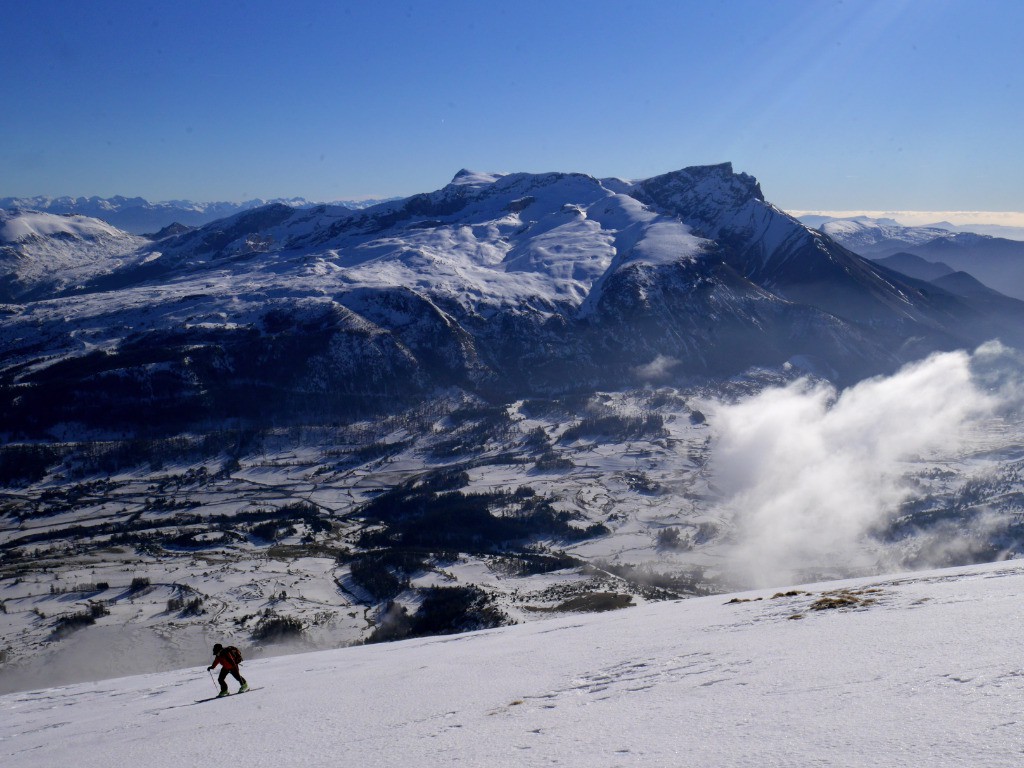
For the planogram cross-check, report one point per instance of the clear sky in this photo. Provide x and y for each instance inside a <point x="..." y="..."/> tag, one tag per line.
<point x="890" y="104"/>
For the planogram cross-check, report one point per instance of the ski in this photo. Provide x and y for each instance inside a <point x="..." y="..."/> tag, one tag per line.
<point x="236" y="693"/>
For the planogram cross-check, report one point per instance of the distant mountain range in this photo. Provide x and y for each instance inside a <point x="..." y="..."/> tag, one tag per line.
<point x="1006" y="231"/>
<point x="996" y="261"/>
<point x="504" y="286"/>
<point x="140" y="216"/>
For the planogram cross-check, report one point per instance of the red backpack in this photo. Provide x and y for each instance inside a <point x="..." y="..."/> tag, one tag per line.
<point x="234" y="654"/>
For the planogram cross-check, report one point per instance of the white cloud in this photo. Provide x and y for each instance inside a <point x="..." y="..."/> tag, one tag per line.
<point x="807" y="472"/>
<point x="658" y="370"/>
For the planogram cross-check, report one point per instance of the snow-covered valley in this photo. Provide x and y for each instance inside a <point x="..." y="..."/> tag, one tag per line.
<point x="510" y="515"/>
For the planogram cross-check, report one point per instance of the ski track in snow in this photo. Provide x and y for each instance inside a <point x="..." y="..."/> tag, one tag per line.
<point x="927" y="674"/>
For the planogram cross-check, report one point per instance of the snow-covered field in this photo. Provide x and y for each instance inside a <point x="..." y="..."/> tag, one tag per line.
<point x="638" y="487"/>
<point x="167" y="560"/>
<point x="914" y="670"/>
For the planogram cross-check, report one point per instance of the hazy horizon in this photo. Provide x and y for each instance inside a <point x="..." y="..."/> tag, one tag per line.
<point x="924" y="218"/>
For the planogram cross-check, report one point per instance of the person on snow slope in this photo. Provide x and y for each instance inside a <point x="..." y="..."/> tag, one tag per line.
<point x="229" y="659"/>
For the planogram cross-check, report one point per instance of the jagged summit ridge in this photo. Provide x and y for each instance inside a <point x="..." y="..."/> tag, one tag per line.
<point x="511" y="284"/>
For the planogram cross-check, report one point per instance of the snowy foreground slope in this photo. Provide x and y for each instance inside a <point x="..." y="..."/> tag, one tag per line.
<point x="920" y="669"/>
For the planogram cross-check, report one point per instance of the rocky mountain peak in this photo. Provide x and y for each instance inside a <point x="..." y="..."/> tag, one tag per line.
<point x="701" y="181"/>
<point x="466" y="177"/>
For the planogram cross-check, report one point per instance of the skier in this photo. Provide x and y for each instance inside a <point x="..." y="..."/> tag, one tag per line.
<point x="229" y="658"/>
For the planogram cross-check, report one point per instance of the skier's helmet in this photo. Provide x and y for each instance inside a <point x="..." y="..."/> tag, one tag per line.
<point x="217" y="649"/>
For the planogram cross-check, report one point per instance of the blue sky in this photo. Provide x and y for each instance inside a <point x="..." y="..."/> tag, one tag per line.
<point x="832" y="105"/>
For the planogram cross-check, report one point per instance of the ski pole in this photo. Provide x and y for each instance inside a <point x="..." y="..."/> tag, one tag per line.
<point x="213" y="681"/>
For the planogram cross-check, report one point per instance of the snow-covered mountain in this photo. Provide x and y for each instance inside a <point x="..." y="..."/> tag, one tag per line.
<point x="878" y="237"/>
<point x="1004" y="231"/>
<point x="520" y="284"/>
<point x="998" y="262"/>
<point x="42" y="254"/>
<point x="903" y="671"/>
<point x="477" y="406"/>
<point x="140" y="216"/>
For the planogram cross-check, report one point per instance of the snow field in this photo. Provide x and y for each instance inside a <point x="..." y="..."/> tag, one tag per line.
<point x="922" y="669"/>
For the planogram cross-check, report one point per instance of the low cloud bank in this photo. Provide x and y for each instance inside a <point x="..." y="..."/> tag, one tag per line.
<point x="809" y="473"/>
<point x="924" y="218"/>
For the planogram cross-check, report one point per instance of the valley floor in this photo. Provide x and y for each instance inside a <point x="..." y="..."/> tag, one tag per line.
<point x="127" y="557"/>
<point x="919" y="669"/>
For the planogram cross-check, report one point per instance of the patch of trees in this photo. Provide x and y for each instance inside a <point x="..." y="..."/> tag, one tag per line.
<point x="486" y="414"/>
<point x="667" y="398"/>
<point x="183" y="607"/>
<point x="536" y="439"/>
<point x="591" y="602"/>
<point x="673" y="539"/>
<point x="541" y="409"/>
<point x="140" y="531"/>
<point x="641" y="483"/>
<point x="306" y="513"/>
<point x="101" y="586"/>
<point x="618" y="427"/>
<point x="522" y="564"/>
<point x="549" y="461"/>
<point x="24" y="464"/>
<point x="112" y="457"/>
<point x="656" y="585"/>
<point x="54" y="501"/>
<point x="464" y="521"/>
<point x="443" y="611"/>
<point x="472" y="429"/>
<point x="684" y="540"/>
<point x="444" y="480"/>
<point x="65" y="625"/>
<point x="272" y="530"/>
<point x="188" y="540"/>
<point x="272" y="628"/>
<point x="385" y="574"/>
<point x="372" y="452"/>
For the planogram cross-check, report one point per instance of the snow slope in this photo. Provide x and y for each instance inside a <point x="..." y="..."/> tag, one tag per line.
<point x="916" y="670"/>
<point x="43" y="252"/>
<point x="30" y="225"/>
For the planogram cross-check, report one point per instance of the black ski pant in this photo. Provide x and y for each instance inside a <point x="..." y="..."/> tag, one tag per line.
<point x="223" y="679"/>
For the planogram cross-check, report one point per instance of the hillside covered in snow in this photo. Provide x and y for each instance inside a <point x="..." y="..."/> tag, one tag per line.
<point x="913" y="670"/>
